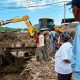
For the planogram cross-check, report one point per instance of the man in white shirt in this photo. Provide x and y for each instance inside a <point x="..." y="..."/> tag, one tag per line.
<point x="63" y="59"/>
<point x="41" y="39"/>
<point x="41" y="48"/>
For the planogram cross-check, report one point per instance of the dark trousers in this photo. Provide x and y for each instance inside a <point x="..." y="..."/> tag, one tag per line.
<point x="64" y="76"/>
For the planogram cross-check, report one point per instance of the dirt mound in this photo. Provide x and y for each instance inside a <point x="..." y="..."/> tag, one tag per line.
<point x="8" y="36"/>
<point x="34" y="71"/>
<point x="23" y="39"/>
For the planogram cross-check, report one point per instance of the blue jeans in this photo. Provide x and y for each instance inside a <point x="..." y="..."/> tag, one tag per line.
<point x="76" y="75"/>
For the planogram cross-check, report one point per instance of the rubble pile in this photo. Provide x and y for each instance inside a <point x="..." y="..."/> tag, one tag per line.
<point x="17" y="38"/>
<point x="25" y="38"/>
<point x="34" y="71"/>
<point x="8" y="36"/>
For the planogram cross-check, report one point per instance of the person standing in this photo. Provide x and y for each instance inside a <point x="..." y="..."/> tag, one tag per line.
<point x="76" y="43"/>
<point x="37" y="54"/>
<point x="40" y="51"/>
<point x="63" y="59"/>
<point x="52" y="42"/>
<point x="46" y="43"/>
<point x="42" y="46"/>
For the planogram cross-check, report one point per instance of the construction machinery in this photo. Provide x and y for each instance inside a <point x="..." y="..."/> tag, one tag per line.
<point x="58" y="28"/>
<point x="16" y="46"/>
<point x="26" y="21"/>
<point x="48" y="24"/>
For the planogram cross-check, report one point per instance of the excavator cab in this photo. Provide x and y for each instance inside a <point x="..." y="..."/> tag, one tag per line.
<point x="46" y="23"/>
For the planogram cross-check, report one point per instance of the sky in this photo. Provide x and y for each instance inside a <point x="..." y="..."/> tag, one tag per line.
<point x="35" y="9"/>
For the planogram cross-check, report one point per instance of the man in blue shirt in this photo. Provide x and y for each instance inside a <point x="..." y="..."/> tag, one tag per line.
<point x="52" y="42"/>
<point x="76" y="43"/>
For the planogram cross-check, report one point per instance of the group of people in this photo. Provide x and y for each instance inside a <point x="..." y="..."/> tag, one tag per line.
<point x="67" y="57"/>
<point x="62" y="55"/>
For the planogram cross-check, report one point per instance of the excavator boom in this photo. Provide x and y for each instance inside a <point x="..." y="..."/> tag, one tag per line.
<point x="26" y="21"/>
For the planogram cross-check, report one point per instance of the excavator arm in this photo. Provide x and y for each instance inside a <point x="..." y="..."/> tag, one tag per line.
<point x="26" y="21"/>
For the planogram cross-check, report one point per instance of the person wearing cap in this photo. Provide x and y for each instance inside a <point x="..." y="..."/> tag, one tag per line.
<point x="63" y="59"/>
<point x="52" y="42"/>
<point x="76" y="43"/>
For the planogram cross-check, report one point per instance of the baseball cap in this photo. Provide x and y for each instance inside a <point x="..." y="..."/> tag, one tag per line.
<point x="74" y="3"/>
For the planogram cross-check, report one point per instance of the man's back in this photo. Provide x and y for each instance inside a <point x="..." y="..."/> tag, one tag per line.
<point x="52" y="35"/>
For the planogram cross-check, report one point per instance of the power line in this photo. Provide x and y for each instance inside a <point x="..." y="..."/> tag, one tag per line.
<point x="31" y="6"/>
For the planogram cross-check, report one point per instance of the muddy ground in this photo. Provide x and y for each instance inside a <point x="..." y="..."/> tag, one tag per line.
<point x="31" y="70"/>
<point x="34" y="71"/>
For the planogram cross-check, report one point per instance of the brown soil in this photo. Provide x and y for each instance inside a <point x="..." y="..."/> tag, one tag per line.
<point x="34" y="71"/>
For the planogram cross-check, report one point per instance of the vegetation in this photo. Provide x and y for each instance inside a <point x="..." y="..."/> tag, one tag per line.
<point x="18" y="29"/>
<point x="6" y="28"/>
<point x="10" y="29"/>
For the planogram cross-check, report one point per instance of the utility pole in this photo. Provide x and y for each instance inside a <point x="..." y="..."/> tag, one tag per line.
<point x="64" y="12"/>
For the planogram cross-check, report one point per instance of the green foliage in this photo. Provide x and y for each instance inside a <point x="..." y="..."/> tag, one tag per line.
<point x="6" y="28"/>
<point x="9" y="29"/>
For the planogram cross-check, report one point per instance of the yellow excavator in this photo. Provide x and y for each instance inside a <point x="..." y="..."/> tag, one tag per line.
<point x="58" y="29"/>
<point x="26" y="21"/>
<point x="48" y="24"/>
